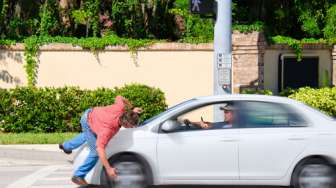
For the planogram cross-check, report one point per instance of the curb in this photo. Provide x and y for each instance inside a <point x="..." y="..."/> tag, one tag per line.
<point x="44" y="153"/>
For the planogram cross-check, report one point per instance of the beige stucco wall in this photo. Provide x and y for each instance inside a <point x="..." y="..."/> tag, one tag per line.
<point x="271" y="60"/>
<point x="181" y="71"/>
<point x="181" y="75"/>
<point x="12" y="72"/>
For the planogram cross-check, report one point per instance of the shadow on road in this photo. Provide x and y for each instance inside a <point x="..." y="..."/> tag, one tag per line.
<point x="194" y="186"/>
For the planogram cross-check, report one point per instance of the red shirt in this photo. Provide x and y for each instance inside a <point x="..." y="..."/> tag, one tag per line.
<point x="104" y="121"/>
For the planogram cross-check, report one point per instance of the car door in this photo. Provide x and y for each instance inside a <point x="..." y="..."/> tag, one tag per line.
<point x="196" y="155"/>
<point x="272" y="136"/>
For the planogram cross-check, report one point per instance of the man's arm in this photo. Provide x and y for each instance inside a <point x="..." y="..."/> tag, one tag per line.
<point x="199" y="124"/>
<point x="109" y="169"/>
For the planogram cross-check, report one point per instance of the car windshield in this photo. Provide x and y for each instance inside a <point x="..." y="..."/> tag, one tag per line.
<point x="165" y="112"/>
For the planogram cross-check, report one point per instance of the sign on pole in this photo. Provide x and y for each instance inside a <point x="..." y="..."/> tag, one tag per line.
<point x="202" y="7"/>
<point x="222" y="67"/>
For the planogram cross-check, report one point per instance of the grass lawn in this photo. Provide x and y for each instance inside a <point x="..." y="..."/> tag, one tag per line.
<point x="34" y="138"/>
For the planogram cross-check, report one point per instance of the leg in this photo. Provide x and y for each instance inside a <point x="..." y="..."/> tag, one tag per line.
<point x="75" y="142"/>
<point x="88" y="164"/>
<point x="79" y="139"/>
<point x="92" y="158"/>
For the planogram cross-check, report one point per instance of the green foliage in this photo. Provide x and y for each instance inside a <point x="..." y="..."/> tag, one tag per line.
<point x="323" y="99"/>
<point x="93" y="8"/>
<point x="312" y="15"/>
<point x="28" y="109"/>
<point x="35" y="138"/>
<point x="33" y="43"/>
<point x="287" y="92"/>
<point x="7" y="42"/>
<point x="80" y="16"/>
<point x="196" y="29"/>
<point x="143" y="18"/>
<point x="30" y="54"/>
<point x="48" y="21"/>
<point x="4" y="10"/>
<point x="330" y="28"/>
<point x="326" y="79"/>
<point x="296" y="45"/>
<point x="19" y="29"/>
<point x="259" y="91"/>
<point x="309" y="23"/>
<point x="88" y="15"/>
<point x="257" y="26"/>
<point x="293" y="43"/>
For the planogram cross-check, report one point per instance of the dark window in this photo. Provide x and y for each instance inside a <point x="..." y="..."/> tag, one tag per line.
<point x="268" y="115"/>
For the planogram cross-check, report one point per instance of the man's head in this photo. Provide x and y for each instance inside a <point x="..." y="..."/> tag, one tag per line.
<point x="129" y="119"/>
<point x="228" y="110"/>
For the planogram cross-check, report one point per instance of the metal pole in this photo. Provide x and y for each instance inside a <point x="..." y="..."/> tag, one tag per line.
<point x="222" y="53"/>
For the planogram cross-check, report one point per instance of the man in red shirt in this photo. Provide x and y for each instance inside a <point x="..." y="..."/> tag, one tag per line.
<point x="99" y="125"/>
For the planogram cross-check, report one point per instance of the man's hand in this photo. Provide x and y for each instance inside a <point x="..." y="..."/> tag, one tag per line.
<point x="112" y="172"/>
<point x="205" y="125"/>
<point x="137" y="110"/>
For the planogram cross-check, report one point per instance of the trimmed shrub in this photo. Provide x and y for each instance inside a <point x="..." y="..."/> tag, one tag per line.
<point x="323" y="99"/>
<point x="28" y="109"/>
<point x="259" y="92"/>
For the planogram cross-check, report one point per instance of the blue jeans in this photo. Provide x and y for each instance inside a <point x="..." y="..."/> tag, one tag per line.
<point x="86" y="136"/>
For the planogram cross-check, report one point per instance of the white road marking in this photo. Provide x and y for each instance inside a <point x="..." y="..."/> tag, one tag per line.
<point x="29" y="180"/>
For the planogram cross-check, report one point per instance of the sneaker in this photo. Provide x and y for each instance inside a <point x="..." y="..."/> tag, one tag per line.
<point x="64" y="150"/>
<point x="79" y="181"/>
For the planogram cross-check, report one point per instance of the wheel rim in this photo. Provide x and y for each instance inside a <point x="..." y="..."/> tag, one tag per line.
<point x="130" y="175"/>
<point x="316" y="176"/>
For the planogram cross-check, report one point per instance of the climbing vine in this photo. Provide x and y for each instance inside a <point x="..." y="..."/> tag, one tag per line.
<point x="33" y="43"/>
<point x="296" y="45"/>
<point x="4" y="9"/>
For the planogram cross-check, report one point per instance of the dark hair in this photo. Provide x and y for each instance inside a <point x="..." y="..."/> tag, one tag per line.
<point x="129" y="117"/>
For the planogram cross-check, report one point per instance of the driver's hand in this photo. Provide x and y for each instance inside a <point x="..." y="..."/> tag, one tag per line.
<point x="205" y="125"/>
<point x="186" y="121"/>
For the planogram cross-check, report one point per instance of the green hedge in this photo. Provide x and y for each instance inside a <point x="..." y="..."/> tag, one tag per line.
<point x="258" y="92"/>
<point x="323" y="99"/>
<point x="28" y="109"/>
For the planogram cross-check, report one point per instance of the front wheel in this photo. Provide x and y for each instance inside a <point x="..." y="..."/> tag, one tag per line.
<point x="315" y="173"/>
<point x="131" y="174"/>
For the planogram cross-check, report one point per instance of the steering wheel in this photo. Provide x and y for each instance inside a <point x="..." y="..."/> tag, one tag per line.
<point x="187" y="123"/>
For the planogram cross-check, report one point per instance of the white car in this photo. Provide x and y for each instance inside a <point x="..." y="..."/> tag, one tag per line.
<point x="273" y="141"/>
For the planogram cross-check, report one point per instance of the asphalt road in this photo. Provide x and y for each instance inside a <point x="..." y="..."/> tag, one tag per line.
<point x="45" y="169"/>
<point x="50" y="176"/>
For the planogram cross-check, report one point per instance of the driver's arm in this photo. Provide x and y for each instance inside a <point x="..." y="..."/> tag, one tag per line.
<point x="199" y="124"/>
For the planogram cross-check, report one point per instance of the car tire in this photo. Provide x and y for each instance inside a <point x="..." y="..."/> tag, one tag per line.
<point x="314" y="173"/>
<point x="131" y="173"/>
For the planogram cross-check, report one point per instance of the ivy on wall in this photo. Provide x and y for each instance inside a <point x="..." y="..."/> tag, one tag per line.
<point x="33" y="43"/>
<point x="3" y="12"/>
<point x="296" y="45"/>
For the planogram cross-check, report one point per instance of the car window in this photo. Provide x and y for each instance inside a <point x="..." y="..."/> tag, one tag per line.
<point x="167" y="111"/>
<point x="266" y="114"/>
<point x="190" y="121"/>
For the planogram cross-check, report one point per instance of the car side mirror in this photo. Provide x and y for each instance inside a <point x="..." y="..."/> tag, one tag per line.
<point x="169" y="126"/>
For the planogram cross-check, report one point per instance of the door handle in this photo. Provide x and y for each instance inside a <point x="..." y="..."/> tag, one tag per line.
<point x="228" y="139"/>
<point x="296" y="138"/>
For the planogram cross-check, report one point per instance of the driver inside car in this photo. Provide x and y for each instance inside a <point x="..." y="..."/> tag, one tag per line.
<point x="229" y="116"/>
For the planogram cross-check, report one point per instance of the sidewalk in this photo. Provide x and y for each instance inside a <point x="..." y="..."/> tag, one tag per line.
<point x="46" y="153"/>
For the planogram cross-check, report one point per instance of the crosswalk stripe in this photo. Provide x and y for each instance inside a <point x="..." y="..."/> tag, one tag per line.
<point x="55" y="186"/>
<point x="29" y="180"/>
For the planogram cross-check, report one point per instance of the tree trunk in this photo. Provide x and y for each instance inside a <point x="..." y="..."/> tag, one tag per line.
<point x="64" y="7"/>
